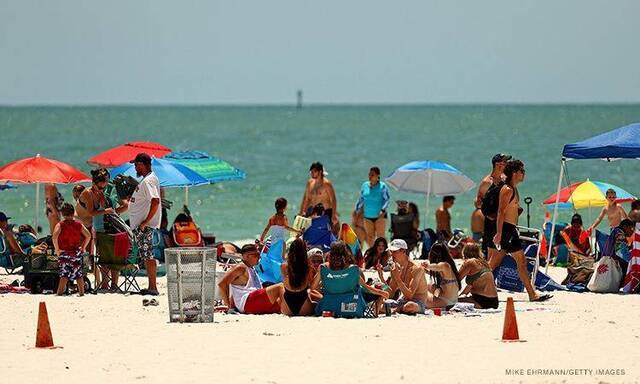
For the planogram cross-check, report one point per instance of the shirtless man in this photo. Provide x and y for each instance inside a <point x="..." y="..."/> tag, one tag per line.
<point x="408" y="278"/>
<point x="477" y="222"/>
<point x="499" y="161"/>
<point x="443" y="217"/>
<point x="319" y="190"/>
<point x="507" y="238"/>
<point x="242" y="291"/>
<point x="614" y="211"/>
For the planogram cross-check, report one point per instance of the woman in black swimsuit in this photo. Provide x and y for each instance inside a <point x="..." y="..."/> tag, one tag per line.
<point x="296" y="278"/>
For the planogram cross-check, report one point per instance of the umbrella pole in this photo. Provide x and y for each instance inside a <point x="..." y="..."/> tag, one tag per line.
<point x="591" y="234"/>
<point x="555" y="215"/>
<point x="186" y="196"/>
<point x="426" y="211"/>
<point x="37" y="207"/>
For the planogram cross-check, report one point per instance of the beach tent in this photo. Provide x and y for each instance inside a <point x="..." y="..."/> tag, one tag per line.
<point x="621" y="143"/>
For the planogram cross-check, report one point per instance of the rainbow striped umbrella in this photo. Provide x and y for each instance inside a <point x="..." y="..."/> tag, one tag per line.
<point x="587" y="194"/>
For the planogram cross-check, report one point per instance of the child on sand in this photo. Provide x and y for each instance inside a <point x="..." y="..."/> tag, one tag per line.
<point x="70" y="240"/>
<point x="278" y="223"/>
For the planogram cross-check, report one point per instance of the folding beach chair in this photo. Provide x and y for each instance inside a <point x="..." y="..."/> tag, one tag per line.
<point x="319" y="233"/>
<point x="118" y="252"/>
<point x="342" y="294"/>
<point x="402" y="228"/>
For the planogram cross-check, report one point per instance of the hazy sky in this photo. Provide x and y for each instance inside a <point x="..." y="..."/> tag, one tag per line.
<point x="364" y="51"/>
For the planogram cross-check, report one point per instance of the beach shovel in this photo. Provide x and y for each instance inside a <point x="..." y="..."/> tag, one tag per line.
<point x="43" y="333"/>
<point x="510" y="328"/>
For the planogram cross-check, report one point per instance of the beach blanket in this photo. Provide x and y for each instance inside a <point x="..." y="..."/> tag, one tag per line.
<point x="632" y="277"/>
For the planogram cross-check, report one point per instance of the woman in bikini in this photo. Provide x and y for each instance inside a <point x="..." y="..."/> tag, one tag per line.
<point x="507" y="237"/>
<point x="479" y="278"/>
<point x="446" y="280"/>
<point x="296" y="278"/>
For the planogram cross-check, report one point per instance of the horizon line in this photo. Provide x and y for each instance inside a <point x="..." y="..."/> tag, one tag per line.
<point x="312" y="105"/>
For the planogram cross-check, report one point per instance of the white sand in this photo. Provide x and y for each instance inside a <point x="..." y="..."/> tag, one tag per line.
<point x="113" y="338"/>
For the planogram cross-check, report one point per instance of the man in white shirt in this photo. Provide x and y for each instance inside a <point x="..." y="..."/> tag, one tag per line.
<point x="145" y="215"/>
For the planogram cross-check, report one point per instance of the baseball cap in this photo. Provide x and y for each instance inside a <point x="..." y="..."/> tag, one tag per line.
<point x="396" y="244"/>
<point x="498" y="157"/>
<point x="142" y="158"/>
<point x="4" y="217"/>
<point x="315" y="252"/>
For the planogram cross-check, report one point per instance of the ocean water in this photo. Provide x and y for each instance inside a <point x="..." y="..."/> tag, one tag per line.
<point x="276" y="145"/>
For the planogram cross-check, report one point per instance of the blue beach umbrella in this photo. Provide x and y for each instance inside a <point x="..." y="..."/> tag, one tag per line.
<point x="211" y="168"/>
<point x="169" y="173"/>
<point x="430" y="178"/>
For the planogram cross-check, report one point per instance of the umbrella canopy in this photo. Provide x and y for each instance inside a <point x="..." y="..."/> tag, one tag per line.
<point x="430" y="177"/>
<point x="169" y="173"/>
<point x="40" y="169"/>
<point x="588" y="194"/>
<point x="211" y="168"/>
<point x="126" y="152"/>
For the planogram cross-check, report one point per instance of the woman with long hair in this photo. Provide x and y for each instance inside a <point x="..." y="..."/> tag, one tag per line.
<point x="479" y="279"/>
<point x="296" y="278"/>
<point x="444" y="273"/>
<point x="377" y="254"/>
<point x="507" y="238"/>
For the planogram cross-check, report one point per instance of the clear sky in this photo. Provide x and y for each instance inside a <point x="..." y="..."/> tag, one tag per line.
<point x="337" y="51"/>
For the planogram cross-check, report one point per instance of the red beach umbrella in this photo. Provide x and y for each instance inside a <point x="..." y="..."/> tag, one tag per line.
<point x="126" y="152"/>
<point x="38" y="169"/>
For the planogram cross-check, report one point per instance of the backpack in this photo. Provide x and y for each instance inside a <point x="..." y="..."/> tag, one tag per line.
<point x="491" y="200"/>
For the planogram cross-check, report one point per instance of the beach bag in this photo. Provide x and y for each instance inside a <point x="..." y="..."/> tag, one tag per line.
<point x="125" y="186"/>
<point x="186" y="234"/>
<point x="579" y="270"/>
<point x="491" y="200"/>
<point x="606" y="277"/>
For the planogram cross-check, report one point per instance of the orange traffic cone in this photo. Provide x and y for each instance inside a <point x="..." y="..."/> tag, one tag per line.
<point x="43" y="334"/>
<point x="510" y="328"/>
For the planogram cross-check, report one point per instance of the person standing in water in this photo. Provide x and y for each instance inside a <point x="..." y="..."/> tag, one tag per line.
<point x="319" y="190"/>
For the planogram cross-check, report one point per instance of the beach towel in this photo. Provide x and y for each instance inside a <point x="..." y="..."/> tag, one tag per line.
<point x="632" y="277"/>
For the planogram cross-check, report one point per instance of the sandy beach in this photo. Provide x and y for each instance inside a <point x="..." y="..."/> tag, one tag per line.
<point x="110" y="337"/>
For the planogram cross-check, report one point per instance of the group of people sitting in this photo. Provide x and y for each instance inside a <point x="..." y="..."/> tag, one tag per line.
<point x="309" y="278"/>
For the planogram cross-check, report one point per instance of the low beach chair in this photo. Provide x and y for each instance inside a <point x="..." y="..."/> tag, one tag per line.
<point x="117" y="252"/>
<point x="341" y="292"/>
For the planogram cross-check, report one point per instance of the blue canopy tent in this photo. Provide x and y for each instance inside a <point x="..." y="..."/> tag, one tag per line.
<point x="621" y="143"/>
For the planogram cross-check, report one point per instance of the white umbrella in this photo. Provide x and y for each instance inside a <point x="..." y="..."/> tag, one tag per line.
<point x="430" y="178"/>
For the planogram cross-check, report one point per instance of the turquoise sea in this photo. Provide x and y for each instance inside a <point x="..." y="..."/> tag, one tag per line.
<point x="274" y="145"/>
